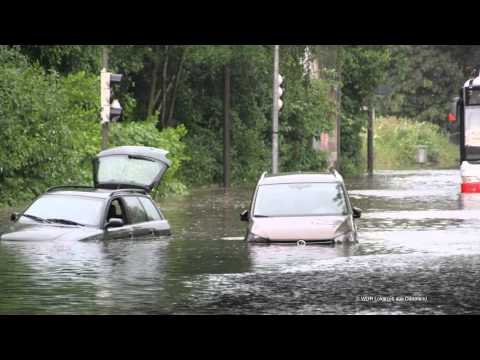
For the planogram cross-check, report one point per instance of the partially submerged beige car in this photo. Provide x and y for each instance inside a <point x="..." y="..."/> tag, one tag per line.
<point x="301" y="208"/>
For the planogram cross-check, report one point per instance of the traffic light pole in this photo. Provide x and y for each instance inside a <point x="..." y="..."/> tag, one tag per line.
<point x="339" y="127"/>
<point x="105" y="102"/>
<point x="275" y="110"/>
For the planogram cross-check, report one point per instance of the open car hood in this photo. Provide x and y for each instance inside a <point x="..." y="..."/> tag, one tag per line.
<point x="130" y="167"/>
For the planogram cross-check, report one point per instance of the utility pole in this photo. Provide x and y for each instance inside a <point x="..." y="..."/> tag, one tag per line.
<point x="226" y="129"/>
<point x="370" y="152"/>
<point x="275" y="109"/>
<point x="105" y="102"/>
<point x="338" y="119"/>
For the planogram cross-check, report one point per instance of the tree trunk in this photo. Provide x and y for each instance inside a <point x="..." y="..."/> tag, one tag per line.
<point x="153" y="88"/>
<point x="370" y="150"/>
<point x="163" y="111"/>
<point x="174" y="94"/>
<point x="226" y="129"/>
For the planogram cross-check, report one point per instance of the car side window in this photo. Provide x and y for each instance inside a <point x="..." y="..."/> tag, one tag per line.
<point x="152" y="212"/>
<point x="135" y="211"/>
<point x="115" y="210"/>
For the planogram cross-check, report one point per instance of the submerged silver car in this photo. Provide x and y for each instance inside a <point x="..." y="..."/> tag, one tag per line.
<point x="118" y="206"/>
<point x="301" y="207"/>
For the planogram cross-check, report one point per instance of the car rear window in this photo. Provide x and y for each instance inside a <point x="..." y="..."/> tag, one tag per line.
<point x="122" y="169"/>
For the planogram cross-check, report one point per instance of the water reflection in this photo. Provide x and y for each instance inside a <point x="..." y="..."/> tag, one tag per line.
<point x="417" y="236"/>
<point x="283" y="257"/>
<point x="469" y="201"/>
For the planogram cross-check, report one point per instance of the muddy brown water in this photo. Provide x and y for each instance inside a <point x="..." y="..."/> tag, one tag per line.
<point x="418" y="253"/>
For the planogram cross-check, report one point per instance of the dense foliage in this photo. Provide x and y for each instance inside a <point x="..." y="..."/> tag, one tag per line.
<point x="173" y="98"/>
<point x="425" y="78"/>
<point x="35" y="133"/>
<point x="50" y="129"/>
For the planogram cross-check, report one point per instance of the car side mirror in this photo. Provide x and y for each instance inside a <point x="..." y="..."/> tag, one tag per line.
<point x="244" y="215"/>
<point x="114" y="223"/>
<point x="14" y="217"/>
<point x="357" y="213"/>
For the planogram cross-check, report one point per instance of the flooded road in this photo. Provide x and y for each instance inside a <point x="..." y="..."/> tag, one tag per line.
<point x="418" y="253"/>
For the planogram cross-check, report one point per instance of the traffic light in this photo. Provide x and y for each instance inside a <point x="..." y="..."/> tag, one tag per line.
<point x="115" y="110"/>
<point x="111" y="111"/>
<point x="452" y="115"/>
<point x="280" y="92"/>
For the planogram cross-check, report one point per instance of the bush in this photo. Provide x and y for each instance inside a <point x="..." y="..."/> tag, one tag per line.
<point x="35" y="117"/>
<point x="146" y="134"/>
<point x="250" y="154"/>
<point x="396" y="142"/>
<point x="81" y="99"/>
<point x="205" y="157"/>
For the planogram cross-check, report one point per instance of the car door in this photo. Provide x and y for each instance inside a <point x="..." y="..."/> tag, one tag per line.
<point x="137" y="217"/>
<point x="157" y="223"/>
<point x="117" y="209"/>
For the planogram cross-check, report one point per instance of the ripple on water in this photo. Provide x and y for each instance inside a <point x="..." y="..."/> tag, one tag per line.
<point x="417" y="237"/>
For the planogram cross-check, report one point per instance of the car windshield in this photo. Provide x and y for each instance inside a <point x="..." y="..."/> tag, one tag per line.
<point x="300" y="199"/>
<point x="472" y="126"/>
<point x="81" y="210"/>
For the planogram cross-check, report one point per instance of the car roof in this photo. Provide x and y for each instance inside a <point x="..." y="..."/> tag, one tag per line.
<point x="92" y="192"/>
<point x="292" y="178"/>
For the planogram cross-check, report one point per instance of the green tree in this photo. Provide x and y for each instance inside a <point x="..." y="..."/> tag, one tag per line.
<point x="35" y="149"/>
<point x="363" y="70"/>
<point x="424" y="78"/>
<point x="64" y="59"/>
<point x="180" y="88"/>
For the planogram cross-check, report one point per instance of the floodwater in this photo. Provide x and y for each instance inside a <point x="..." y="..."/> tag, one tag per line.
<point x="418" y="253"/>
